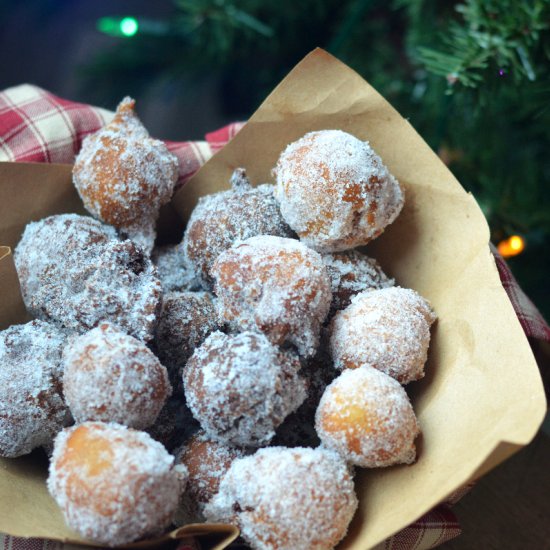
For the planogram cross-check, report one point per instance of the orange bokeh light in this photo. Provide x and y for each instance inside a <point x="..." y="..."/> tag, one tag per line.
<point x="512" y="246"/>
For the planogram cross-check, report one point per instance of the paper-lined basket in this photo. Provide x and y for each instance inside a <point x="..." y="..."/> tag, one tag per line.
<point x="482" y="398"/>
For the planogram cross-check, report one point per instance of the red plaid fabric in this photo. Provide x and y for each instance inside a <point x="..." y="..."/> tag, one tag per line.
<point x="431" y="530"/>
<point x="37" y="126"/>
<point x="531" y="320"/>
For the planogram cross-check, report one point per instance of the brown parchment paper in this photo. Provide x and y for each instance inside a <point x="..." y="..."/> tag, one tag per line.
<point x="482" y="398"/>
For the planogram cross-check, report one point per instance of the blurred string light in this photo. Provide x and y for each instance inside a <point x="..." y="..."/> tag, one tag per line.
<point x="512" y="246"/>
<point x="118" y="26"/>
<point x="126" y="27"/>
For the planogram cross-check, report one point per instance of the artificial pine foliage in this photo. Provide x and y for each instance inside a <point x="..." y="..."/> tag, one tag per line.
<point x="472" y="77"/>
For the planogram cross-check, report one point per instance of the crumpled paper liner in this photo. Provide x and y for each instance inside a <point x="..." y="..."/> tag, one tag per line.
<point x="482" y="398"/>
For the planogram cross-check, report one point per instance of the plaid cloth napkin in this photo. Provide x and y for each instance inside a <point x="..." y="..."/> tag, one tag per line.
<point x="37" y="126"/>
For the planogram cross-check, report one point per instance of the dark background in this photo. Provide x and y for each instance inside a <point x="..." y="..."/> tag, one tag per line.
<point x="52" y="43"/>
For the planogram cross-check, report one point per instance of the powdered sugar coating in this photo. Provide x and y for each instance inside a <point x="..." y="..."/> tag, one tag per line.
<point x="241" y="387"/>
<point x="32" y="410"/>
<point x="287" y="499"/>
<point x="207" y="461"/>
<point x="275" y="285"/>
<point x="173" y="269"/>
<point x="388" y="329"/>
<point x="352" y="272"/>
<point x="186" y="319"/>
<point x="113" y="484"/>
<point x="366" y="416"/>
<point x="223" y="218"/>
<point x="335" y="192"/>
<point x="74" y="270"/>
<point x="112" y="377"/>
<point x="124" y="177"/>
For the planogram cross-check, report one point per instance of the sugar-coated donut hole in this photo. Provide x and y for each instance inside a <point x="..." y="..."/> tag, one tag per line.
<point x="206" y="461"/>
<point x="107" y="479"/>
<point x="124" y="177"/>
<point x="310" y="510"/>
<point x="366" y="416"/>
<point x="334" y="191"/>
<point x="277" y="286"/>
<point x="388" y="329"/>
<point x="75" y="271"/>
<point x="221" y="219"/>
<point x="32" y="409"/>
<point x="113" y="377"/>
<point x="241" y="387"/>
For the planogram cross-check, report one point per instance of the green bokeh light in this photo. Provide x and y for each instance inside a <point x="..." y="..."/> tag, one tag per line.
<point x="129" y="26"/>
<point x="116" y="26"/>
